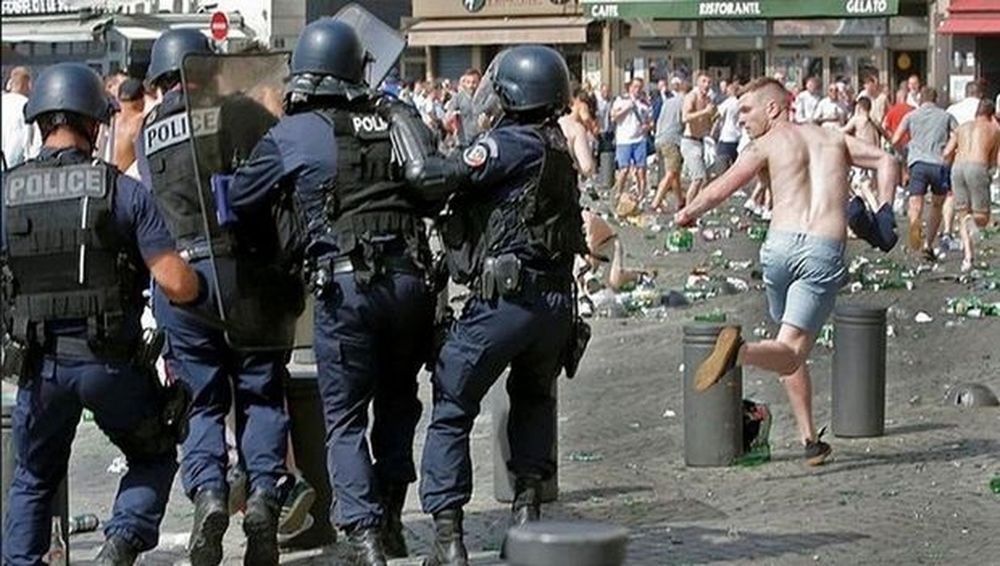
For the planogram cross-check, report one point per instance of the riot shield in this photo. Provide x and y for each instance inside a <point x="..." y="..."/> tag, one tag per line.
<point x="233" y="100"/>
<point x="383" y="44"/>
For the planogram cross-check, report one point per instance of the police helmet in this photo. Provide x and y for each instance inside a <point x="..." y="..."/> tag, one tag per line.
<point x="69" y="87"/>
<point x="169" y="51"/>
<point x="328" y="60"/>
<point x="528" y="79"/>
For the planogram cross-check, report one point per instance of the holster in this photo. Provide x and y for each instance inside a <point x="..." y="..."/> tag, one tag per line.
<point x="19" y="360"/>
<point x="501" y="277"/>
<point x="579" y="337"/>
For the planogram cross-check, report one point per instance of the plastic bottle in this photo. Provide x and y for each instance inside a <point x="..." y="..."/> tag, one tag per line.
<point x="995" y="485"/>
<point x="85" y="523"/>
<point x="56" y="556"/>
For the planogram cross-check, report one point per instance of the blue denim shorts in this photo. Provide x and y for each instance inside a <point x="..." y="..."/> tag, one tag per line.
<point x="802" y="274"/>
<point x="631" y="154"/>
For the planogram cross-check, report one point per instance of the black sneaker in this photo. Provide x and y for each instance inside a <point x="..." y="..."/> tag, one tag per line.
<point x="817" y="451"/>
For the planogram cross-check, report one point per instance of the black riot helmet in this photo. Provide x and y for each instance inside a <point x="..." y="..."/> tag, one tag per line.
<point x="70" y="88"/>
<point x="169" y="51"/>
<point x="328" y="60"/>
<point x="525" y="80"/>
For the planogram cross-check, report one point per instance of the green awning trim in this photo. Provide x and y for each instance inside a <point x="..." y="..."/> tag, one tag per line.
<point x="738" y="9"/>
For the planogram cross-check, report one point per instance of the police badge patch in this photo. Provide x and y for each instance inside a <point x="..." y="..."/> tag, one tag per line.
<point x="476" y="155"/>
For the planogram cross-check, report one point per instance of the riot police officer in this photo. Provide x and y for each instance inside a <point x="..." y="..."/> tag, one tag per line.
<point x="512" y="231"/>
<point x="81" y="240"/>
<point x="366" y="253"/>
<point x="197" y="350"/>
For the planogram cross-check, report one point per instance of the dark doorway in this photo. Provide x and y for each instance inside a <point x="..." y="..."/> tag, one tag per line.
<point x="988" y="53"/>
<point x="906" y="63"/>
<point x="727" y="65"/>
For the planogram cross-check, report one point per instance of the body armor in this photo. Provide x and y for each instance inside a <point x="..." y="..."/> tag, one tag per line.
<point x="541" y="224"/>
<point x="67" y="259"/>
<point x="368" y="200"/>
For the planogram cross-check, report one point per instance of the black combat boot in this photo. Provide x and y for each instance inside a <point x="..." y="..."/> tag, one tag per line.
<point x="260" y="524"/>
<point x="366" y="546"/>
<point x="116" y="552"/>
<point x="393" y="499"/>
<point x="211" y="519"/>
<point x="449" y="549"/>
<point x="526" y="507"/>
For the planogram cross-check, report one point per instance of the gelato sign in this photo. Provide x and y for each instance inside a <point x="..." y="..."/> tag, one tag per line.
<point x="737" y="9"/>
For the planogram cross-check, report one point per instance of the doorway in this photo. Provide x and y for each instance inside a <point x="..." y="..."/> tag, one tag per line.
<point x="741" y="65"/>
<point x="906" y="63"/>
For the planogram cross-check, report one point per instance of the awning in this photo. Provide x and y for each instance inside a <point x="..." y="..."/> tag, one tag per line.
<point x="738" y="9"/>
<point x="138" y="33"/>
<point x="36" y="30"/>
<point x="972" y="17"/>
<point x="498" y="31"/>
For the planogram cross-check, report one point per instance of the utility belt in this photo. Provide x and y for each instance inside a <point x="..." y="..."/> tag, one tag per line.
<point x="506" y="276"/>
<point x="320" y="273"/>
<point x="20" y="360"/>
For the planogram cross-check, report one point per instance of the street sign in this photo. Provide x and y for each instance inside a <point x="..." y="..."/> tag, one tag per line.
<point x="219" y="26"/>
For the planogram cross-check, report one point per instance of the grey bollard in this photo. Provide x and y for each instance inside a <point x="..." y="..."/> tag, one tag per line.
<point x="548" y="543"/>
<point x="713" y="419"/>
<point x="60" y="505"/>
<point x="308" y="433"/>
<point x="503" y="480"/>
<point x="606" y="169"/>
<point x="858" y="384"/>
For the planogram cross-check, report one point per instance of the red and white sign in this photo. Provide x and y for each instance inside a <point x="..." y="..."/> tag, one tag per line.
<point x="219" y="26"/>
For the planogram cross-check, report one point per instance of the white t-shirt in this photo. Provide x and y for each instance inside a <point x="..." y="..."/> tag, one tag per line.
<point x="805" y="106"/>
<point x="730" y="112"/>
<point x="629" y="129"/>
<point x="20" y="141"/>
<point x="964" y="110"/>
<point x="827" y="109"/>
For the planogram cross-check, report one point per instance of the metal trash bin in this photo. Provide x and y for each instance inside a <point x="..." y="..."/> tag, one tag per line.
<point x="713" y="419"/>
<point x="308" y="435"/>
<point x="503" y="480"/>
<point x="858" y="383"/>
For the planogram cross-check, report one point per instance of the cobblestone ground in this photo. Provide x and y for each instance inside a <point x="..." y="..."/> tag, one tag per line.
<point x="918" y="495"/>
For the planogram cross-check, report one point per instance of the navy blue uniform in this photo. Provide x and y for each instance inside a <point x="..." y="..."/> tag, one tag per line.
<point x="120" y="395"/>
<point x="527" y="331"/>
<point x="369" y="340"/>
<point x="219" y="376"/>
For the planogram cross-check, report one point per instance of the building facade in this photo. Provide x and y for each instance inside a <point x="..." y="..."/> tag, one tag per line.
<point x="968" y="44"/>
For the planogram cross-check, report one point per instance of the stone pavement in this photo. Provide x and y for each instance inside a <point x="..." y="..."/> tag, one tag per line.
<point x="918" y="495"/>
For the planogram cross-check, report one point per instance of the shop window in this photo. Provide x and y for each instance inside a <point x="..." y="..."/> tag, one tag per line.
<point x="43" y="49"/>
<point x="798" y="68"/>
<point x="23" y="48"/>
<point x="856" y="26"/>
<point x="63" y="48"/>
<point x="735" y="28"/>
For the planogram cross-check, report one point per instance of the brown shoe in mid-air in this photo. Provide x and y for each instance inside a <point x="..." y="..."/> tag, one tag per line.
<point x="720" y="360"/>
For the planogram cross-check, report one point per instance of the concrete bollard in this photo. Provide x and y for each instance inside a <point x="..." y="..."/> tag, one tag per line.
<point x="308" y="433"/>
<point x="548" y="543"/>
<point x="713" y="419"/>
<point x="8" y="451"/>
<point x="503" y="480"/>
<point x="858" y="384"/>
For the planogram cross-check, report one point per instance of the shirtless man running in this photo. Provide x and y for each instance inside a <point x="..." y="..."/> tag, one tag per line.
<point x="976" y="145"/>
<point x="866" y="129"/>
<point x="803" y="257"/>
<point x="698" y="115"/>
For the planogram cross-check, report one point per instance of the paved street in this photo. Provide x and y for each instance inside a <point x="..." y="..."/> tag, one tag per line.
<point x="918" y="495"/>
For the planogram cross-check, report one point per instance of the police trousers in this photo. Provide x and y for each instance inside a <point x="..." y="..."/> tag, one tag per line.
<point x="370" y="343"/>
<point x="529" y="333"/>
<point x="220" y="377"/>
<point x="45" y="418"/>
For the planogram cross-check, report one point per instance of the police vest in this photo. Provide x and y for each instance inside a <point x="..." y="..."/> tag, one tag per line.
<point x="166" y="138"/>
<point x="369" y="197"/>
<point x="67" y="258"/>
<point x="542" y="224"/>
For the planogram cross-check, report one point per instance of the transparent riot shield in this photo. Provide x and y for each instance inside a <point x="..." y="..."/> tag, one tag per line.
<point x="233" y="100"/>
<point x="383" y="44"/>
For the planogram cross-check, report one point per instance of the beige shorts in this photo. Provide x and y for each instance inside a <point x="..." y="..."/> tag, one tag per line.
<point x="970" y="182"/>
<point x="670" y="157"/>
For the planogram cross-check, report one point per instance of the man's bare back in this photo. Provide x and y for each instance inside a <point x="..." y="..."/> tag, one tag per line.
<point x="862" y="127"/>
<point x="978" y="142"/>
<point x="579" y="143"/>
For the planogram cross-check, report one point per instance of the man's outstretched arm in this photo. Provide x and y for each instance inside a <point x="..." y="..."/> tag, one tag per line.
<point x="746" y="167"/>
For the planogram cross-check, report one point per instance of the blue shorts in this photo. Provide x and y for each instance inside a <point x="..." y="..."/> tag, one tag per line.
<point x="924" y="175"/>
<point x="631" y="154"/>
<point x="802" y="274"/>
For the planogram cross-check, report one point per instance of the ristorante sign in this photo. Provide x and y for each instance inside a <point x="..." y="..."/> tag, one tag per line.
<point x="738" y="9"/>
